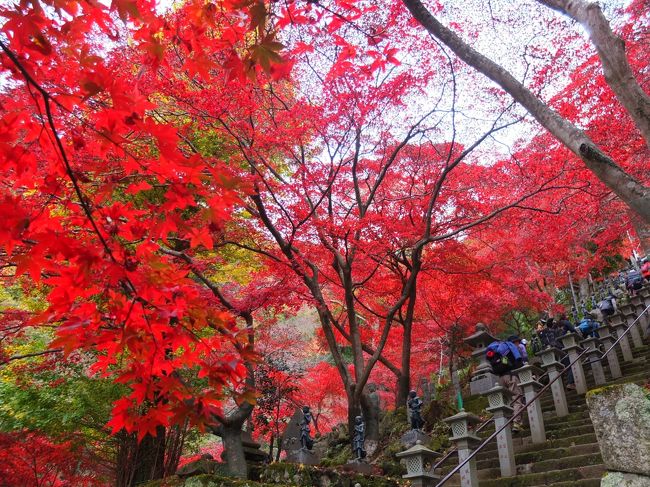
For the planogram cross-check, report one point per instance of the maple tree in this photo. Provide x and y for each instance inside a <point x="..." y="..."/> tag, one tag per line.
<point x="175" y="180"/>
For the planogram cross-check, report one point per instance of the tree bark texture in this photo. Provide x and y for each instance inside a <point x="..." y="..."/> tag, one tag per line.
<point x="371" y="417"/>
<point x="642" y="231"/>
<point x="234" y="450"/>
<point x="149" y="462"/>
<point x="624" y="185"/>
<point x="611" y="51"/>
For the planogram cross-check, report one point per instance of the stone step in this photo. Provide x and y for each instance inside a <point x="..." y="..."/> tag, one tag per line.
<point x="551" y="477"/>
<point x="589" y="475"/>
<point x="550" y="420"/>
<point x="562" y="463"/>
<point x="524" y="458"/>
<point x="524" y="444"/>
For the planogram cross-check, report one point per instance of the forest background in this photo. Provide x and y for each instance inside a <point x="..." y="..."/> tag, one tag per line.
<point x="218" y="211"/>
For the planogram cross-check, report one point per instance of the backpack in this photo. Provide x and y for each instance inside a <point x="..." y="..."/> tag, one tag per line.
<point x="536" y="344"/>
<point x="634" y="280"/>
<point x="587" y="327"/>
<point x="606" y="307"/>
<point x="503" y="357"/>
<point x="548" y="338"/>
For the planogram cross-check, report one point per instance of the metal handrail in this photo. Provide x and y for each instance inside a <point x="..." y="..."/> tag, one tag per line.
<point x="478" y="430"/>
<point x="535" y="397"/>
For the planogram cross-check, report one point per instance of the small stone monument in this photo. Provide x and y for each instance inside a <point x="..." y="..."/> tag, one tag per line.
<point x="414" y="415"/>
<point x="359" y="463"/>
<point x="359" y="438"/>
<point x="297" y="441"/>
<point x="252" y="449"/>
<point x="482" y="378"/>
<point x="414" y="405"/>
<point x="306" y="442"/>
<point x="371" y="417"/>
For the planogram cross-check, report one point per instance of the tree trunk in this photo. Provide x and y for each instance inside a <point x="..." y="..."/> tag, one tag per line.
<point x="627" y="187"/>
<point x="149" y="463"/>
<point x="642" y="231"/>
<point x="611" y="51"/>
<point x="354" y="409"/>
<point x="370" y="411"/>
<point x="234" y="451"/>
<point x="403" y="387"/>
<point x="404" y="380"/>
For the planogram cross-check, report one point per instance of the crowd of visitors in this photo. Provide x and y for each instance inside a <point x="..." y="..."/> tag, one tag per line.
<point x="505" y="356"/>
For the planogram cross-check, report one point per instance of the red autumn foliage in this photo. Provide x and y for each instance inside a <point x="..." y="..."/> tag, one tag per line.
<point x="34" y="460"/>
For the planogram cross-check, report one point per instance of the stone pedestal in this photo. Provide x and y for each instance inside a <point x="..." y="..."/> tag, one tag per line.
<point x="410" y="438"/>
<point x="304" y="457"/>
<point x="612" y="358"/>
<point x="629" y="317"/>
<point x="499" y="400"/>
<point x="530" y="386"/>
<point x="465" y="440"/>
<point x="618" y="326"/>
<point x="593" y="358"/>
<point x="569" y="341"/>
<point x="551" y="364"/>
<point x="482" y="377"/>
<point x="361" y="467"/>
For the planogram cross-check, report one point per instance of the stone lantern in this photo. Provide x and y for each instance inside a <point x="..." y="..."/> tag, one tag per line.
<point x="419" y="461"/>
<point x="465" y="440"/>
<point x="499" y="406"/>
<point x="527" y="381"/>
<point x="482" y="378"/>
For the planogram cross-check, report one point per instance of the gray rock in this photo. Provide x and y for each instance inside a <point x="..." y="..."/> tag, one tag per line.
<point x="618" y="479"/>
<point x="411" y="437"/>
<point x="304" y="457"/>
<point x="204" y="465"/>
<point x="621" y="418"/>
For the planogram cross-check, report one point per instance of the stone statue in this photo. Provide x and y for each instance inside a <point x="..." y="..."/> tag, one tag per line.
<point x="359" y="438"/>
<point x="414" y="404"/>
<point x="306" y="442"/>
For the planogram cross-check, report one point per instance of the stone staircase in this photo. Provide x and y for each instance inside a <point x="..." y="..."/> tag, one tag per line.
<point x="570" y="456"/>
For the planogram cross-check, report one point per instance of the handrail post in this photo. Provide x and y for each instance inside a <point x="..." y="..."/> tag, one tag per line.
<point x="569" y="341"/>
<point x="499" y="400"/>
<point x="644" y="292"/>
<point x="629" y="314"/>
<point x="616" y="323"/>
<point x="530" y="386"/>
<point x="612" y="358"/>
<point x="638" y="303"/>
<point x="464" y="440"/>
<point x="553" y="367"/>
<point x="591" y="345"/>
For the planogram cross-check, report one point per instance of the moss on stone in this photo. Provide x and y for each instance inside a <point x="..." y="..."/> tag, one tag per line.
<point x="206" y="480"/>
<point x="476" y="405"/>
<point x="311" y="476"/>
